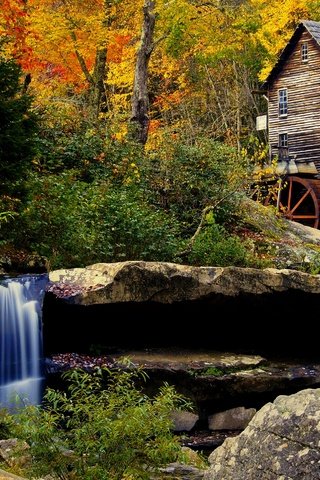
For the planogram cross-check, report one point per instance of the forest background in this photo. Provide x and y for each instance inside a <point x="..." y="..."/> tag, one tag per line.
<point x="127" y="127"/>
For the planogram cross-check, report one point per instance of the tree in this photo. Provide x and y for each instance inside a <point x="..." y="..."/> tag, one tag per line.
<point x="278" y="21"/>
<point x="73" y="45"/>
<point x="18" y="125"/>
<point x="14" y="25"/>
<point x="140" y="98"/>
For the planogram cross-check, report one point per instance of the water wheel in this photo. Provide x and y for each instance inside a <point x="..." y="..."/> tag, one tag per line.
<point x="298" y="199"/>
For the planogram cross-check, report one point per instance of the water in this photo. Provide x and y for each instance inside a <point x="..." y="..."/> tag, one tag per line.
<point x="21" y="371"/>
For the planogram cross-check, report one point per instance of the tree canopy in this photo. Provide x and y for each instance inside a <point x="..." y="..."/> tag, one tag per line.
<point x="147" y="122"/>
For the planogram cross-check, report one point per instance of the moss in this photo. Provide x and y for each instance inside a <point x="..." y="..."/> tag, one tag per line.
<point x="313" y="246"/>
<point x="214" y="371"/>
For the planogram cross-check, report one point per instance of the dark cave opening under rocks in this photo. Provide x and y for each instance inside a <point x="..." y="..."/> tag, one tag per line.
<point x="278" y="324"/>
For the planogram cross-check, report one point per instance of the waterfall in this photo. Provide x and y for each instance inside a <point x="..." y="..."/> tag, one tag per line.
<point x="21" y="372"/>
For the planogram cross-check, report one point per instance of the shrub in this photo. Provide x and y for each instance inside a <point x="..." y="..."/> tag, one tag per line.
<point x="214" y="246"/>
<point x="69" y="142"/>
<point x="74" y="223"/>
<point x="6" y="424"/>
<point x="186" y="178"/>
<point x="64" y="147"/>
<point x="103" y="427"/>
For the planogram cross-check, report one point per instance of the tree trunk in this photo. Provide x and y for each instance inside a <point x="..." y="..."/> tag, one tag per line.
<point x="96" y="86"/>
<point x="96" y="90"/>
<point x="97" y="94"/>
<point x="140" y="99"/>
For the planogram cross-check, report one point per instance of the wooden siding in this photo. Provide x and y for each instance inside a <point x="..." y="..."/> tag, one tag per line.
<point x="302" y="124"/>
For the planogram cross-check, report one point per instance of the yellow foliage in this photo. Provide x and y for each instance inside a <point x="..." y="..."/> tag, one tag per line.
<point x="278" y="21"/>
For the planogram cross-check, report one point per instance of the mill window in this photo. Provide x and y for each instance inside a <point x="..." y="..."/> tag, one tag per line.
<point x="283" y="140"/>
<point x="283" y="102"/>
<point x="304" y="51"/>
<point x="283" y="151"/>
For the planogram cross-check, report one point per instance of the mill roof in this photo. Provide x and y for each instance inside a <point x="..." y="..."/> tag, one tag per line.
<point x="313" y="28"/>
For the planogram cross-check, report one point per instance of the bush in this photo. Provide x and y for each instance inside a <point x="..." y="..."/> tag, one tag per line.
<point x="61" y="148"/>
<point x="70" y="143"/>
<point x="186" y="178"/>
<point x="214" y="246"/>
<point x="74" y="223"/>
<point x="6" y="424"/>
<point x="103" y="427"/>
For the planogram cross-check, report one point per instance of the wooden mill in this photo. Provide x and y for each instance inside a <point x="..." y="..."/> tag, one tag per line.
<point x="293" y="93"/>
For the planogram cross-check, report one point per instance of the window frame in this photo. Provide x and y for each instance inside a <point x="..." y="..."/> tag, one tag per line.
<point x="283" y="140"/>
<point x="304" y="52"/>
<point x="283" y="102"/>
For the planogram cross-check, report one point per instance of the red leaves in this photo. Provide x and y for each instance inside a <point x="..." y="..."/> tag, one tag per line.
<point x="15" y="25"/>
<point x="115" y="50"/>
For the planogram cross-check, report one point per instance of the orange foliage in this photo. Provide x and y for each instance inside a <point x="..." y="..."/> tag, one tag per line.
<point x="116" y="48"/>
<point x="154" y="125"/>
<point x="15" y="26"/>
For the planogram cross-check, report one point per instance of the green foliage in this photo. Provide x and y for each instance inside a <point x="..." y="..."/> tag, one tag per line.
<point x="191" y="177"/>
<point x="6" y="424"/>
<point x="86" y="148"/>
<point x="18" y="126"/>
<point x="214" y="371"/>
<point x="6" y="216"/>
<point x="311" y="265"/>
<point x="177" y="41"/>
<point x="74" y="223"/>
<point x="103" y="427"/>
<point x="214" y="246"/>
<point x="64" y="146"/>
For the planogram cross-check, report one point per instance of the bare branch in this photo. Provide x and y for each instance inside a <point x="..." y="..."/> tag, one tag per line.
<point x="81" y="60"/>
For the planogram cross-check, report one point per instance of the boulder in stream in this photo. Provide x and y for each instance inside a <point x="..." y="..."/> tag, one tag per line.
<point x="280" y="443"/>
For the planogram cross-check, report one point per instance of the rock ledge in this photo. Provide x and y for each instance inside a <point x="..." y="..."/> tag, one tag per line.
<point x="139" y="281"/>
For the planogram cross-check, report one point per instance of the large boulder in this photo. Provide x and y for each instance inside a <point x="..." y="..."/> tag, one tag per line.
<point x="284" y="243"/>
<point x="280" y="442"/>
<point x="139" y="281"/>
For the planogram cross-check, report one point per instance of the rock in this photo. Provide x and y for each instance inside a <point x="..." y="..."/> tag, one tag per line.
<point x="284" y="243"/>
<point x="192" y="360"/>
<point x="176" y="471"/>
<point x="9" y="476"/>
<point x="232" y="419"/>
<point x="280" y="442"/>
<point x="14" y="452"/>
<point x="190" y="457"/>
<point x="139" y="281"/>
<point x="183" y="421"/>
